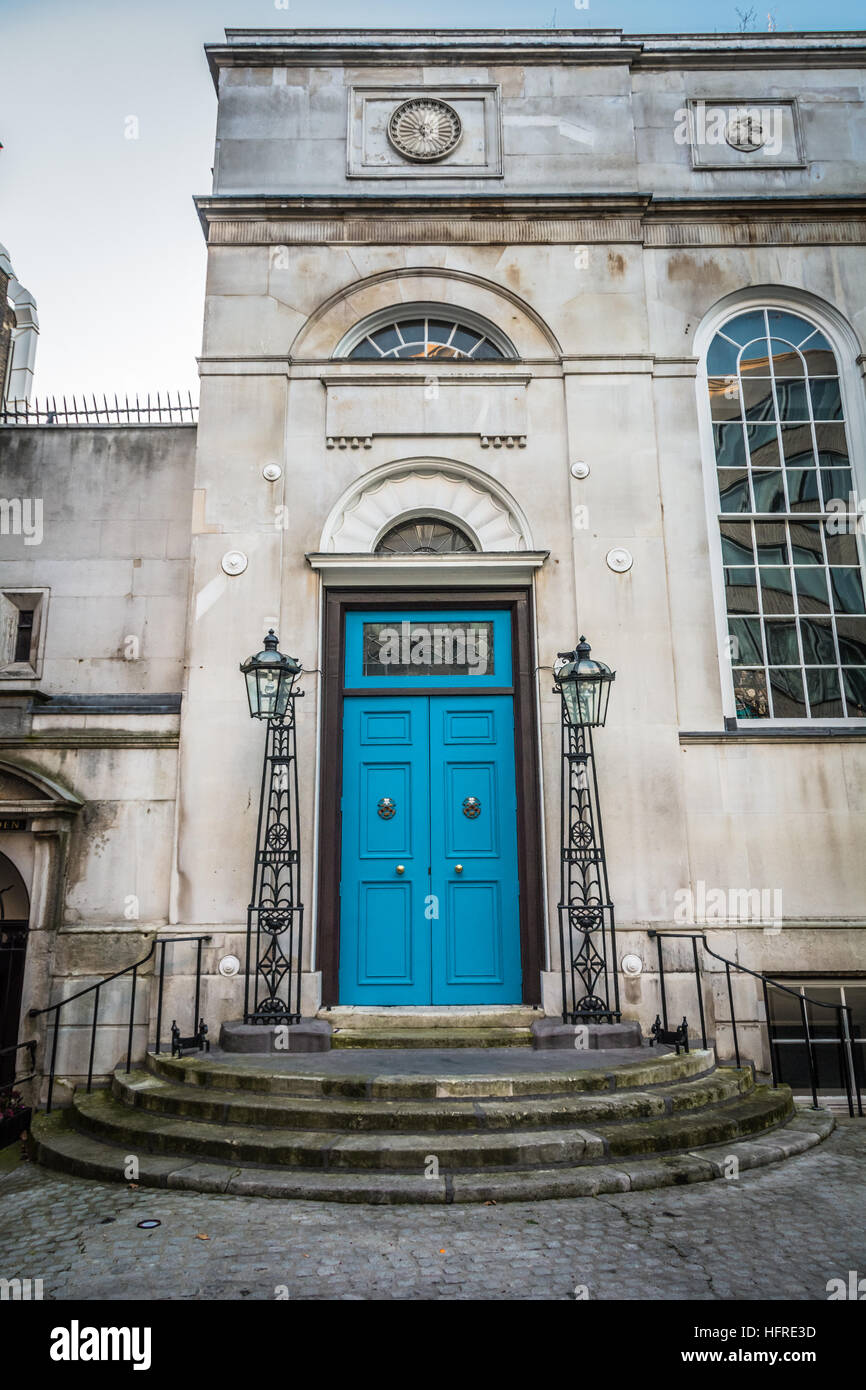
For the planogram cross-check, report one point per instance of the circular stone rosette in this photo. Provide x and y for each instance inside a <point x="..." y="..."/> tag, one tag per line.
<point x="423" y="129"/>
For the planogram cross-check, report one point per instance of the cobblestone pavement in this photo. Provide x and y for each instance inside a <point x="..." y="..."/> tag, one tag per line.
<point x="777" y="1233"/>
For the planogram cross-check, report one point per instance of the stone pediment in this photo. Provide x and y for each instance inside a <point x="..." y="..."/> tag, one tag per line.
<point x="26" y="792"/>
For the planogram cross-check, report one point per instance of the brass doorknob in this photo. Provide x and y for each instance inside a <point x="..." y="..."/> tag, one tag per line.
<point x="458" y="868"/>
<point x="401" y="868"/>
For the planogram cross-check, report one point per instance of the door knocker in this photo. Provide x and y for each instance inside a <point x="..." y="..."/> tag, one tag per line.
<point x="387" y="808"/>
<point x="472" y="808"/>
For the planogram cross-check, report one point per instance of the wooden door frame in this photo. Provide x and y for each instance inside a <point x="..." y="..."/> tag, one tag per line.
<point x="336" y="603"/>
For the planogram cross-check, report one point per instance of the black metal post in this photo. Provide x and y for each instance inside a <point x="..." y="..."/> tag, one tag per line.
<point x="93" y="1038"/>
<point x="733" y="1015"/>
<point x="700" y="990"/>
<point x="159" y="996"/>
<point x="771" y="1040"/>
<point x="131" y="1019"/>
<point x="590" y="983"/>
<point x="276" y="914"/>
<point x="810" y="1052"/>
<point x="662" y="989"/>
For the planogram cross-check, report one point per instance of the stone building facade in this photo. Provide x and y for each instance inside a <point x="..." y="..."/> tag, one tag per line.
<point x="565" y="327"/>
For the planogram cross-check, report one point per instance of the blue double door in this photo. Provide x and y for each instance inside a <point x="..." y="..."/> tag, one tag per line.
<point x="429" y="885"/>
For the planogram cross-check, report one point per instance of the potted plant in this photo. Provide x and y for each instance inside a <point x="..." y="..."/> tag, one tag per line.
<point x="14" y="1117"/>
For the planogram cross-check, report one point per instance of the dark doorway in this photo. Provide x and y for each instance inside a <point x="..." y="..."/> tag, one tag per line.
<point x="14" y="921"/>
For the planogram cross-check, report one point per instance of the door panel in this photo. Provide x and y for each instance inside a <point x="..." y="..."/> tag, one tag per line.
<point x="385" y="938"/>
<point x="473" y="822"/>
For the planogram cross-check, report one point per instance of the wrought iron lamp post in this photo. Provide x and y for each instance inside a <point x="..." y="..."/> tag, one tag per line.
<point x="587" y="931"/>
<point x="275" y="917"/>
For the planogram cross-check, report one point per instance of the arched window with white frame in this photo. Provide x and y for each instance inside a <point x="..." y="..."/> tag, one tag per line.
<point x="785" y="499"/>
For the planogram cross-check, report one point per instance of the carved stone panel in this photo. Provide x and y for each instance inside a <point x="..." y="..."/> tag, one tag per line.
<point x="424" y="132"/>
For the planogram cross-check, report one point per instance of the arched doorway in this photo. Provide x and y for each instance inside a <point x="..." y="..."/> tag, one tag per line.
<point x="14" y="923"/>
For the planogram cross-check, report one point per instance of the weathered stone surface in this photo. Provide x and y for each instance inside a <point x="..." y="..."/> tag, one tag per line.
<point x="310" y="1035"/>
<point x="549" y="1033"/>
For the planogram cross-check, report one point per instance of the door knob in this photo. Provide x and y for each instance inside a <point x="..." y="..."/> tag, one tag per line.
<point x="458" y="868"/>
<point x="401" y="868"/>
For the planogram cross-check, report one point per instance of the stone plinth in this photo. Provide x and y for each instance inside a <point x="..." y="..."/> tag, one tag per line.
<point x="549" y="1033"/>
<point x="310" y="1035"/>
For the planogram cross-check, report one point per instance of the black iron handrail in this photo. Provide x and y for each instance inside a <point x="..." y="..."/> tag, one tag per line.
<point x="30" y="1045"/>
<point x="844" y="1018"/>
<point x="100" y="984"/>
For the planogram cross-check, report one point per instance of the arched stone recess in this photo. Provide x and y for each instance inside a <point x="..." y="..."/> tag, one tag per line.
<point x="425" y="487"/>
<point x="327" y="326"/>
<point x="37" y="814"/>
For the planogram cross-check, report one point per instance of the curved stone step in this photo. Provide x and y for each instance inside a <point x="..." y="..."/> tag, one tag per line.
<point x="105" y="1117"/>
<point x="158" y="1096"/>
<point x="429" y="1075"/>
<point x="432" y="1038"/>
<point x="61" y="1148"/>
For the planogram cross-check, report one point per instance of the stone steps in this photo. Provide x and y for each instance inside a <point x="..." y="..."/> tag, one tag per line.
<point x="400" y="1028"/>
<point x="431" y="1038"/>
<point x="373" y="1126"/>
<point x="436" y="1080"/>
<point x="66" y="1150"/>
<point x="156" y="1095"/>
<point x="135" y="1130"/>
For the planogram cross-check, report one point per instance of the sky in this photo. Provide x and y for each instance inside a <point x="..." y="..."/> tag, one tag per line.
<point x="101" y="228"/>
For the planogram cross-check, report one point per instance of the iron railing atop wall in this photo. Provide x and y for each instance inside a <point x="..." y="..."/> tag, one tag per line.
<point x="160" y="409"/>
<point x="844" y="1036"/>
<point x="133" y="970"/>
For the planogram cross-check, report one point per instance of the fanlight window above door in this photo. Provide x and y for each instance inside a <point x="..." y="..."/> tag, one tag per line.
<point x="424" y="535"/>
<point x="425" y="336"/>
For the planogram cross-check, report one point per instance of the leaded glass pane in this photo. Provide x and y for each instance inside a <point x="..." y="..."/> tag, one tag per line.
<point x="750" y="694"/>
<point x="725" y="398"/>
<point x="746" y="326"/>
<point x="741" y="590"/>
<point x="786" y="359"/>
<point x="789" y="700"/>
<point x="746" y="643"/>
<point x="793" y="400"/>
<point x="722" y="357"/>
<point x="777" y="592"/>
<point x="854" y="682"/>
<point x="825" y="693"/>
<point x="841" y="544"/>
<point x="730" y="445"/>
<point x="734" y="491"/>
<point x="826" y="398"/>
<point x="440" y="338"/>
<point x="425" y="536"/>
<point x="852" y="641"/>
<point x="769" y="489"/>
<point x="847" y="587"/>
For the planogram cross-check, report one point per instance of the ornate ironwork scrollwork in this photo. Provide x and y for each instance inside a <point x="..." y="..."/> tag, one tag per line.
<point x="276" y="914"/>
<point x="587" y="932"/>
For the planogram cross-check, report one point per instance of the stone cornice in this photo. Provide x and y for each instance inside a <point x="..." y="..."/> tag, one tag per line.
<point x="629" y="217"/>
<point x="591" y="47"/>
